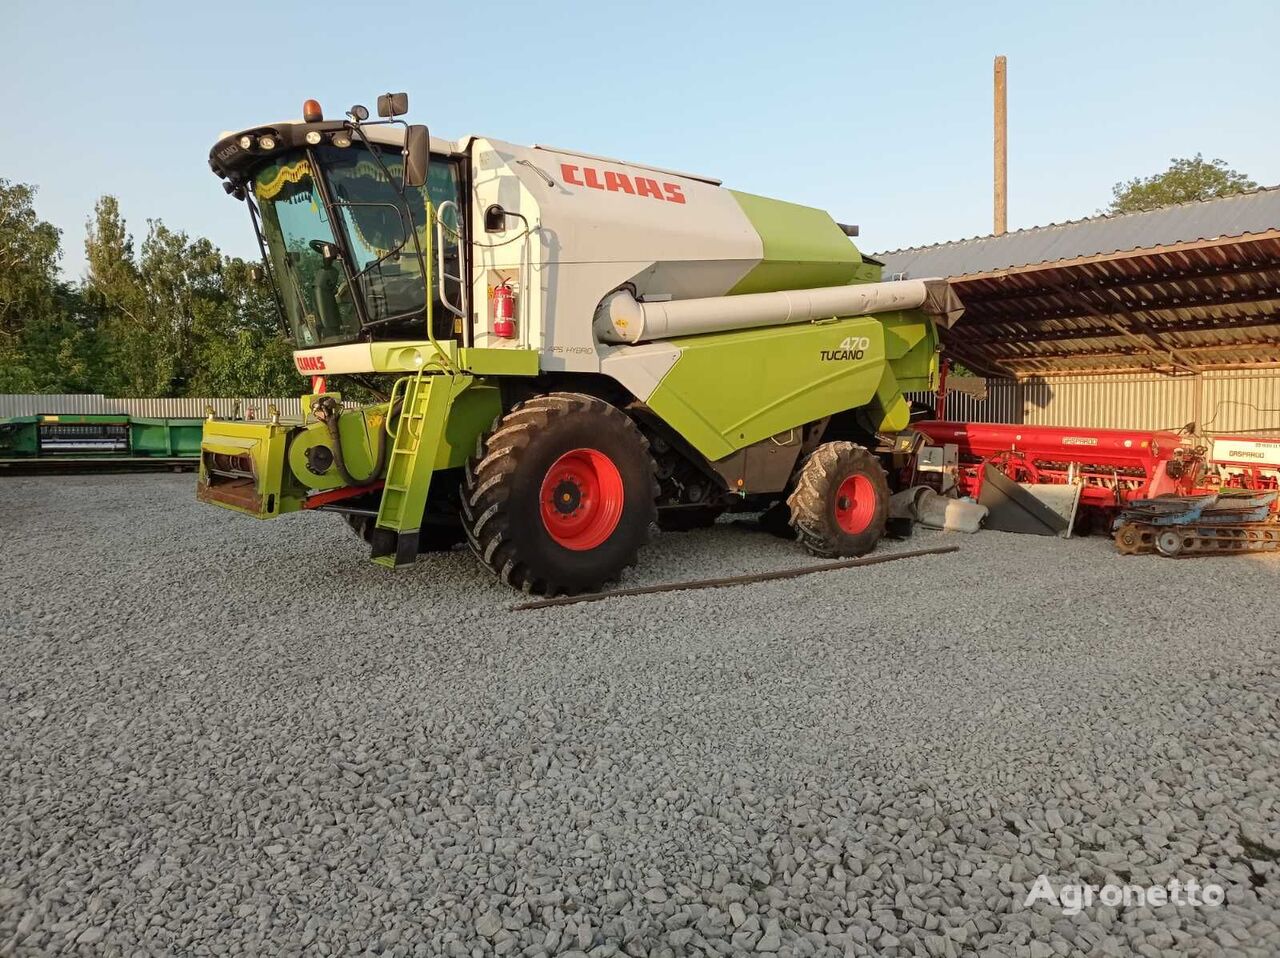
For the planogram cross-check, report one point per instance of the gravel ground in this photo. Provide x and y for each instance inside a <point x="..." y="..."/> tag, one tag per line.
<point x="219" y="736"/>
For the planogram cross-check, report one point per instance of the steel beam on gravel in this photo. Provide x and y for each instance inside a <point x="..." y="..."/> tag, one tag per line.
<point x="733" y="580"/>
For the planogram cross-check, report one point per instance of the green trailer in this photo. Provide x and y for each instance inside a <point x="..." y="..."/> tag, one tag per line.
<point x="98" y="440"/>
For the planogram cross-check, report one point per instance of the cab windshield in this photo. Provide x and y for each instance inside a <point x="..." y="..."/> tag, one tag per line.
<point x="373" y="253"/>
<point x="313" y="288"/>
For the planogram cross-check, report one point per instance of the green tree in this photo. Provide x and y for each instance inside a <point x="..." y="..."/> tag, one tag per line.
<point x="239" y="348"/>
<point x="183" y="291"/>
<point x="1184" y="181"/>
<point x="29" y="253"/>
<point x="16" y="375"/>
<point x="135" y="358"/>
<point x="172" y="317"/>
<point x="181" y="318"/>
<point x="47" y="336"/>
<point x="63" y="350"/>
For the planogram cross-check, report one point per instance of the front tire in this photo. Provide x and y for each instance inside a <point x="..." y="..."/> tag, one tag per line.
<point x="560" y="495"/>
<point x="840" y="505"/>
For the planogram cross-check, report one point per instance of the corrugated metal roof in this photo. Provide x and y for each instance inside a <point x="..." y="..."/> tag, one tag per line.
<point x="1257" y="211"/>
<point x="1195" y="306"/>
<point x="1180" y="289"/>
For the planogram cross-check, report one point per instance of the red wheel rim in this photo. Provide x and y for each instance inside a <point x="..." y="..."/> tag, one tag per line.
<point x="581" y="499"/>
<point x="855" y="504"/>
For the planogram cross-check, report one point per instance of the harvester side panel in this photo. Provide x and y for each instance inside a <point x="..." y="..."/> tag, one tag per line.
<point x="362" y="434"/>
<point x="729" y="390"/>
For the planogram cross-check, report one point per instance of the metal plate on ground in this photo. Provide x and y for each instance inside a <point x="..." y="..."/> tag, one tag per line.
<point x="1013" y="508"/>
<point x="1062" y="499"/>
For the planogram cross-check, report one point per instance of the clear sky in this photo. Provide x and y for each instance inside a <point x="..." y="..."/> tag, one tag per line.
<point x="879" y="113"/>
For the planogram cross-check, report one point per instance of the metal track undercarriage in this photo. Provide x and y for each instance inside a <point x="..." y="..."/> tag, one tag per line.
<point x="1180" y="541"/>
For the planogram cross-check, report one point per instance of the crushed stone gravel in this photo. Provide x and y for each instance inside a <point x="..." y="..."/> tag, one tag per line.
<point x="220" y="736"/>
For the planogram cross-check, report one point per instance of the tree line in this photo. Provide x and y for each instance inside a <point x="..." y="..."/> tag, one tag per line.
<point x="170" y="316"/>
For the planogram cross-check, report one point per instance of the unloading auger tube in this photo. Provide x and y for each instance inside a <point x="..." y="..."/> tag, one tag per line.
<point x="621" y="318"/>
<point x="327" y="410"/>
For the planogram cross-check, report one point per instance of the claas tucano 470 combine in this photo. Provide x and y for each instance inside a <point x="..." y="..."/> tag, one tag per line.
<point x="567" y="350"/>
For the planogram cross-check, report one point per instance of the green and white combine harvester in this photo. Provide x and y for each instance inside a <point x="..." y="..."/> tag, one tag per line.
<point x="567" y="348"/>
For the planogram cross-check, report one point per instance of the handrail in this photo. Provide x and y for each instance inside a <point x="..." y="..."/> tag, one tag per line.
<point x="458" y="310"/>
<point x="445" y="363"/>
<point x="391" y="404"/>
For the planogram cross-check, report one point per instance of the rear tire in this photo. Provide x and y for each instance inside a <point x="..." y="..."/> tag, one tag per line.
<point x="840" y="505"/>
<point x="560" y="495"/>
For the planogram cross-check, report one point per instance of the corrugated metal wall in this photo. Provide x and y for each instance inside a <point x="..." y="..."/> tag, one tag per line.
<point x="1241" y="404"/>
<point x="1217" y="402"/>
<point x="41" y="404"/>
<point x="1127" y="403"/>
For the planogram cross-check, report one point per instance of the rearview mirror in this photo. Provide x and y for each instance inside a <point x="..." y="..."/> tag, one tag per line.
<point x="495" y="219"/>
<point x="328" y="252"/>
<point x="393" y="104"/>
<point x="417" y="155"/>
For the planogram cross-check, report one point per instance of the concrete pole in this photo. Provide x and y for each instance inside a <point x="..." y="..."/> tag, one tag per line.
<point x="1001" y="151"/>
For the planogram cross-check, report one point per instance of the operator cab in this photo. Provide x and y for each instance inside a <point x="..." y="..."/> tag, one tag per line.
<point x="347" y="235"/>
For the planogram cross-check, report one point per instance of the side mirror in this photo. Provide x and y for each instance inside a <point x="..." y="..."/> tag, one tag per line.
<point x="393" y="104"/>
<point x="417" y="155"/>
<point x="495" y="219"/>
<point x="328" y="252"/>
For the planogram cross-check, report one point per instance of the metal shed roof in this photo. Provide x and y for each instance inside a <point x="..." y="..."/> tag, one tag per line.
<point x="1180" y="289"/>
<point x="1257" y="211"/>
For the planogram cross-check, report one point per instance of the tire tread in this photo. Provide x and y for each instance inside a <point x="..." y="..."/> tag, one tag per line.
<point x="810" y="501"/>
<point x="487" y="478"/>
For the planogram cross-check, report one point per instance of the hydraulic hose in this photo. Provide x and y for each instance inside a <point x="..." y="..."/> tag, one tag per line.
<point x="327" y="410"/>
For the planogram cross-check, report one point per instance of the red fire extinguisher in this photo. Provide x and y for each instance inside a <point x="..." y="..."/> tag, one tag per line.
<point x="504" y="311"/>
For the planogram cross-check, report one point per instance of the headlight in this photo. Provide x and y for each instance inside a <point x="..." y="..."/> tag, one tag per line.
<point x="245" y="142"/>
<point x="267" y="142"/>
<point x="342" y="139"/>
<point x="313" y="137"/>
<point x="410" y="357"/>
